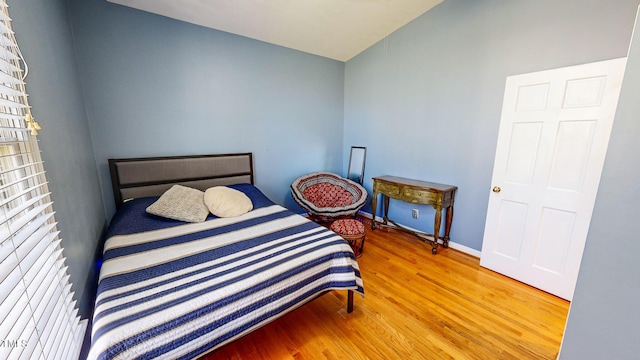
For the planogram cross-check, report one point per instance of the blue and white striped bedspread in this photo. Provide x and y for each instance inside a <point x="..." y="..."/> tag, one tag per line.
<point x="182" y="291"/>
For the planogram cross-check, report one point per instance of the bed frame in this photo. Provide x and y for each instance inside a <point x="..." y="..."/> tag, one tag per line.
<point x="152" y="176"/>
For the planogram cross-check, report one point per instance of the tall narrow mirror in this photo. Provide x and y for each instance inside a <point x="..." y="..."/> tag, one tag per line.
<point x="356" y="164"/>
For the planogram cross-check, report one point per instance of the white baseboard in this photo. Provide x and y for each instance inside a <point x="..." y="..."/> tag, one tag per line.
<point x="452" y="244"/>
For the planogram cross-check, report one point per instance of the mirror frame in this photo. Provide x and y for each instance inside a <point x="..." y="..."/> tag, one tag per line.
<point x="355" y="168"/>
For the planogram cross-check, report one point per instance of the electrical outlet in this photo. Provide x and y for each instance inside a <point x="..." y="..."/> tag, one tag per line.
<point x="415" y="213"/>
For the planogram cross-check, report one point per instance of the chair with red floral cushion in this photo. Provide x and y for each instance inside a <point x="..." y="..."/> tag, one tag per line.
<point x="327" y="196"/>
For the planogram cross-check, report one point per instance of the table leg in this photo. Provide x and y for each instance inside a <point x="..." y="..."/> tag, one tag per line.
<point x="447" y="225"/>
<point x="385" y="200"/>
<point x="436" y="230"/>
<point x="374" y="206"/>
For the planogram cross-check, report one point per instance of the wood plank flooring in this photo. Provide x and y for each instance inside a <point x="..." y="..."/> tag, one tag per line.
<point x="416" y="306"/>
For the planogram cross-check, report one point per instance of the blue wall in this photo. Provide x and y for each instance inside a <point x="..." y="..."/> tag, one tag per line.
<point x="43" y="33"/>
<point x="427" y="101"/>
<point x="155" y="86"/>
<point x="604" y="321"/>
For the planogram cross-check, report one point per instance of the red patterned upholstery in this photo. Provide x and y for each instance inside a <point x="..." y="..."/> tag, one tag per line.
<point x="347" y="227"/>
<point x="328" y="196"/>
<point x="352" y="231"/>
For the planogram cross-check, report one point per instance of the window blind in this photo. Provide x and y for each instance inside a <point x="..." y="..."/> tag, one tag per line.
<point x="39" y="319"/>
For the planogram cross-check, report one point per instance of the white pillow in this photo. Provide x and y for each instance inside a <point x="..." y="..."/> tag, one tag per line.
<point x="223" y="201"/>
<point x="181" y="203"/>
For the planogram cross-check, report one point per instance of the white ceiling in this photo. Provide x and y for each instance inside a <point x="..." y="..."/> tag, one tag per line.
<point x="336" y="29"/>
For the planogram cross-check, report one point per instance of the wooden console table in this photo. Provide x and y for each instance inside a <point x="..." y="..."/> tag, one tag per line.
<point x="439" y="196"/>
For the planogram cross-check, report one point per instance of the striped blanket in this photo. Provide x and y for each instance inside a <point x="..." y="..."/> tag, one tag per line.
<point x="181" y="291"/>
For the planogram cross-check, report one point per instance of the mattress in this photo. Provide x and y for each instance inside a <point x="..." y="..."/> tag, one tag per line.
<point x="175" y="290"/>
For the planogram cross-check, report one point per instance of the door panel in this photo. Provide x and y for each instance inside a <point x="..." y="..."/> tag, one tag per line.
<point x="552" y="142"/>
<point x="532" y="97"/>
<point x="584" y="92"/>
<point x="522" y="152"/>
<point x="556" y="228"/>
<point x="511" y="229"/>
<point x="574" y="144"/>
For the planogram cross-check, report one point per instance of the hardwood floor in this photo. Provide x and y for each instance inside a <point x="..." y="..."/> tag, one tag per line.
<point x="416" y="306"/>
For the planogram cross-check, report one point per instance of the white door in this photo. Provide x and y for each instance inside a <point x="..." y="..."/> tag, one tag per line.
<point x="552" y="143"/>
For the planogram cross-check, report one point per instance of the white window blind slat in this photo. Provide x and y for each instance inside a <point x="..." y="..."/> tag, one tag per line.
<point x="65" y="343"/>
<point x="28" y="352"/>
<point x="12" y="104"/>
<point x="4" y="29"/>
<point x="7" y="78"/>
<point x="17" y="152"/>
<point x="48" y="299"/>
<point x="65" y="336"/>
<point x="21" y="318"/>
<point x="55" y="327"/>
<point x="17" y="300"/>
<point x="8" y="63"/>
<point x="6" y="89"/>
<point x="28" y="243"/>
<point x="22" y="227"/>
<point x="37" y="261"/>
<point x="21" y="210"/>
<point x="7" y="118"/>
<point x="42" y="291"/>
<point x="23" y="214"/>
<point x="5" y="249"/>
<point x="15" y="132"/>
<point x="33" y="349"/>
<point x="54" y="341"/>
<point x="21" y="173"/>
<point x="14" y="158"/>
<point x="24" y="349"/>
<point x="5" y="41"/>
<point x="38" y="316"/>
<point x="5" y="353"/>
<point x="23" y="193"/>
<point x="10" y="56"/>
<point x="34" y="245"/>
<point x="26" y="182"/>
<point x="68" y="341"/>
<point x="7" y="263"/>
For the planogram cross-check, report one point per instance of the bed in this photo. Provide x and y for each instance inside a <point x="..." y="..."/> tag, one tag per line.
<point x="178" y="290"/>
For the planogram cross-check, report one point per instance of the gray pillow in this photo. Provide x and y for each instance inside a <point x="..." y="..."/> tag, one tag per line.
<point x="181" y="203"/>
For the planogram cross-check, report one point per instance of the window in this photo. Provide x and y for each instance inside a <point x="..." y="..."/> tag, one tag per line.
<point x="38" y="318"/>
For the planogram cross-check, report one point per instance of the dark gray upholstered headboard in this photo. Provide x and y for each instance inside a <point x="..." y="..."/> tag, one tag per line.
<point x="153" y="176"/>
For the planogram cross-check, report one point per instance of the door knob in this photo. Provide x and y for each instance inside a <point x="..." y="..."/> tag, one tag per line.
<point x="496" y="189"/>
